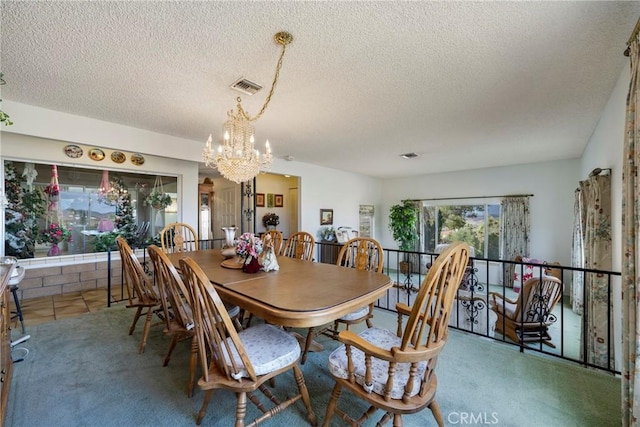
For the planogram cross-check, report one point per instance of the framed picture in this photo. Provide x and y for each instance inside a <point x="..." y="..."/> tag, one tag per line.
<point x="326" y="216"/>
<point x="269" y="200"/>
<point x="260" y="200"/>
<point x="279" y="201"/>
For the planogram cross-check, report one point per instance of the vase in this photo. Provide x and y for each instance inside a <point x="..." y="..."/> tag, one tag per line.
<point x="251" y="265"/>
<point x="54" y="250"/>
<point x="271" y="227"/>
<point x="229" y="236"/>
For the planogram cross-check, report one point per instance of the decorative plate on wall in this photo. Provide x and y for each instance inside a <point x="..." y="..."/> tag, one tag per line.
<point x="137" y="159"/>
<point x="96" y="154"/>
<point x="73" y="151"/>
<point x="118" y="157"/>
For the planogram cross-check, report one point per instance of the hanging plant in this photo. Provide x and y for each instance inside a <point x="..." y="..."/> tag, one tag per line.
<point x="158" y="199"/>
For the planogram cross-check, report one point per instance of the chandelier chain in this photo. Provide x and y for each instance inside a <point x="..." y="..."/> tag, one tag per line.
<point x="273" y="87"/>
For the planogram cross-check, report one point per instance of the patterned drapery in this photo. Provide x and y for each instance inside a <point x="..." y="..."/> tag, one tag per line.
<point x="596" y="209"/>
<point x="577" y="255"/>
<point x="514" y="233"/>
<point x="630" y="252"/>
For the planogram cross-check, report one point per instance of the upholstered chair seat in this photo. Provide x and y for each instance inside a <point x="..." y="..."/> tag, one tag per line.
<point x="269" y="349"/>
<point x="385" y="339"/>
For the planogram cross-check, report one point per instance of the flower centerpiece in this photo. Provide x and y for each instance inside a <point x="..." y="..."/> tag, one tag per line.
<point x="158" y="200"/>
<point x="248" y="247"/>
<point x="270" y="220"/>
<point x="55" y="233"/>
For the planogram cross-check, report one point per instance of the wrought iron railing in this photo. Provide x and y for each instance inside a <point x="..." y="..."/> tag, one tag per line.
<point x="558" y="333"/>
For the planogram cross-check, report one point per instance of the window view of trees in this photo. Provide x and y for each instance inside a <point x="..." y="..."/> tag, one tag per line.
<point x="477" y="225"/>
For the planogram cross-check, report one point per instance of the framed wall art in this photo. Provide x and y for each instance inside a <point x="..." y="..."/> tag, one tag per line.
<point x="269" y="200"/>
<point x="260" y="200"/>
<point x="326" y="216"/>
<point x="278" y="200"/>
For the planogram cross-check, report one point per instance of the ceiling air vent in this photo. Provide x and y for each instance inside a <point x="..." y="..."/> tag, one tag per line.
<point x="409" y="155"/>
<point x="246" y="86"/>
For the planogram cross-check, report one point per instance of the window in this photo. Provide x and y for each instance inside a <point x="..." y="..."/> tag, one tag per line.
<point x="84" y="220"/>
<point x="476" y="224"/>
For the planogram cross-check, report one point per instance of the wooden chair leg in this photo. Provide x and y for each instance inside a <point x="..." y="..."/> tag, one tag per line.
<point x="241" y="408"/>
<point x="135" y="320"/>
<point x="302" y="388"/>
<point x="172" y="345"/>
<point x="331" y="407"/>
<point x="205" y="404"/>
<point x="437" y="414"/>
<point x="193" y="363"/>
<point x="145" y="331"/>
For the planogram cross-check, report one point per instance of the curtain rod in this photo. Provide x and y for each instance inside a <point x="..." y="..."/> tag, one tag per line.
<point x="634" y="33"/>
<point x="475" y="197"/>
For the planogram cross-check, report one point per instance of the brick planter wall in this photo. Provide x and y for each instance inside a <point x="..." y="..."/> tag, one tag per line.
<point x="45" y="279"/>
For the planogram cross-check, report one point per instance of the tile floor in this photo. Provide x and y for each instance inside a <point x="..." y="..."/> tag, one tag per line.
<point x="56" y="307"/>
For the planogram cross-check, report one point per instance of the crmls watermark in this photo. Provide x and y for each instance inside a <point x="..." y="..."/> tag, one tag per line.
<point x="473" y="418"/>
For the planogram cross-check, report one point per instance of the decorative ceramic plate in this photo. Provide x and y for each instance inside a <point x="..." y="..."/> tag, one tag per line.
<point x="118" y="157"/>
<point x="137" y="159"/>
<point x="96" y="154"/>
<point x="73" y="151"/>
<point x="232" y="263"/>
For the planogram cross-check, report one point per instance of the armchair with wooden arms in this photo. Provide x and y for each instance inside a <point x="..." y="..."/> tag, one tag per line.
<point x="527" y="319"/>
<point x="395" y="372"/>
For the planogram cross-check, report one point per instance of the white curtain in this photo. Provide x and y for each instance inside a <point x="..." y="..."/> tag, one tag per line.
<point x="515" y="229"/>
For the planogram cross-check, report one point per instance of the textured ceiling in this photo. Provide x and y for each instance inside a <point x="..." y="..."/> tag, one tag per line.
<point x="463" y="84"/>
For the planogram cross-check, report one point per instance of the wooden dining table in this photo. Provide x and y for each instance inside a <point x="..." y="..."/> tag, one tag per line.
<point x="301" y="294"/>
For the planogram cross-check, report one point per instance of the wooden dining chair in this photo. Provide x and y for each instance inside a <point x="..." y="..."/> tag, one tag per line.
<point x="361" y="253"/>
<point x="178" y="237"/>
<point x="277" y="239"/>
<point x="395" y="372"/>
<point x="300" y="245"/>
<point x="140" y="291"/>
<point x="176" y="308"/>
<point x="243" y="361"/>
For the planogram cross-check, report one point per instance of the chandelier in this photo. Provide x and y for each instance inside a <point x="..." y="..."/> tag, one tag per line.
<point x="236" y="158"/>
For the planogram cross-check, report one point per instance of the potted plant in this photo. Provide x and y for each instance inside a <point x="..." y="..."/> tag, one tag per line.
<point x="270" y="220"/>
<point x="158" y="200"/>
<point x="403" y="219"/>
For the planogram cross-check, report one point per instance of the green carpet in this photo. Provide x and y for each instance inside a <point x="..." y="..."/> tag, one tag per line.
<point x="86" y="371"/>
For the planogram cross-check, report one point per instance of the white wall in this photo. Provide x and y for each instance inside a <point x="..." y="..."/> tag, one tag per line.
<point x="551" y="183"/>
<point x="269" y="183"/>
